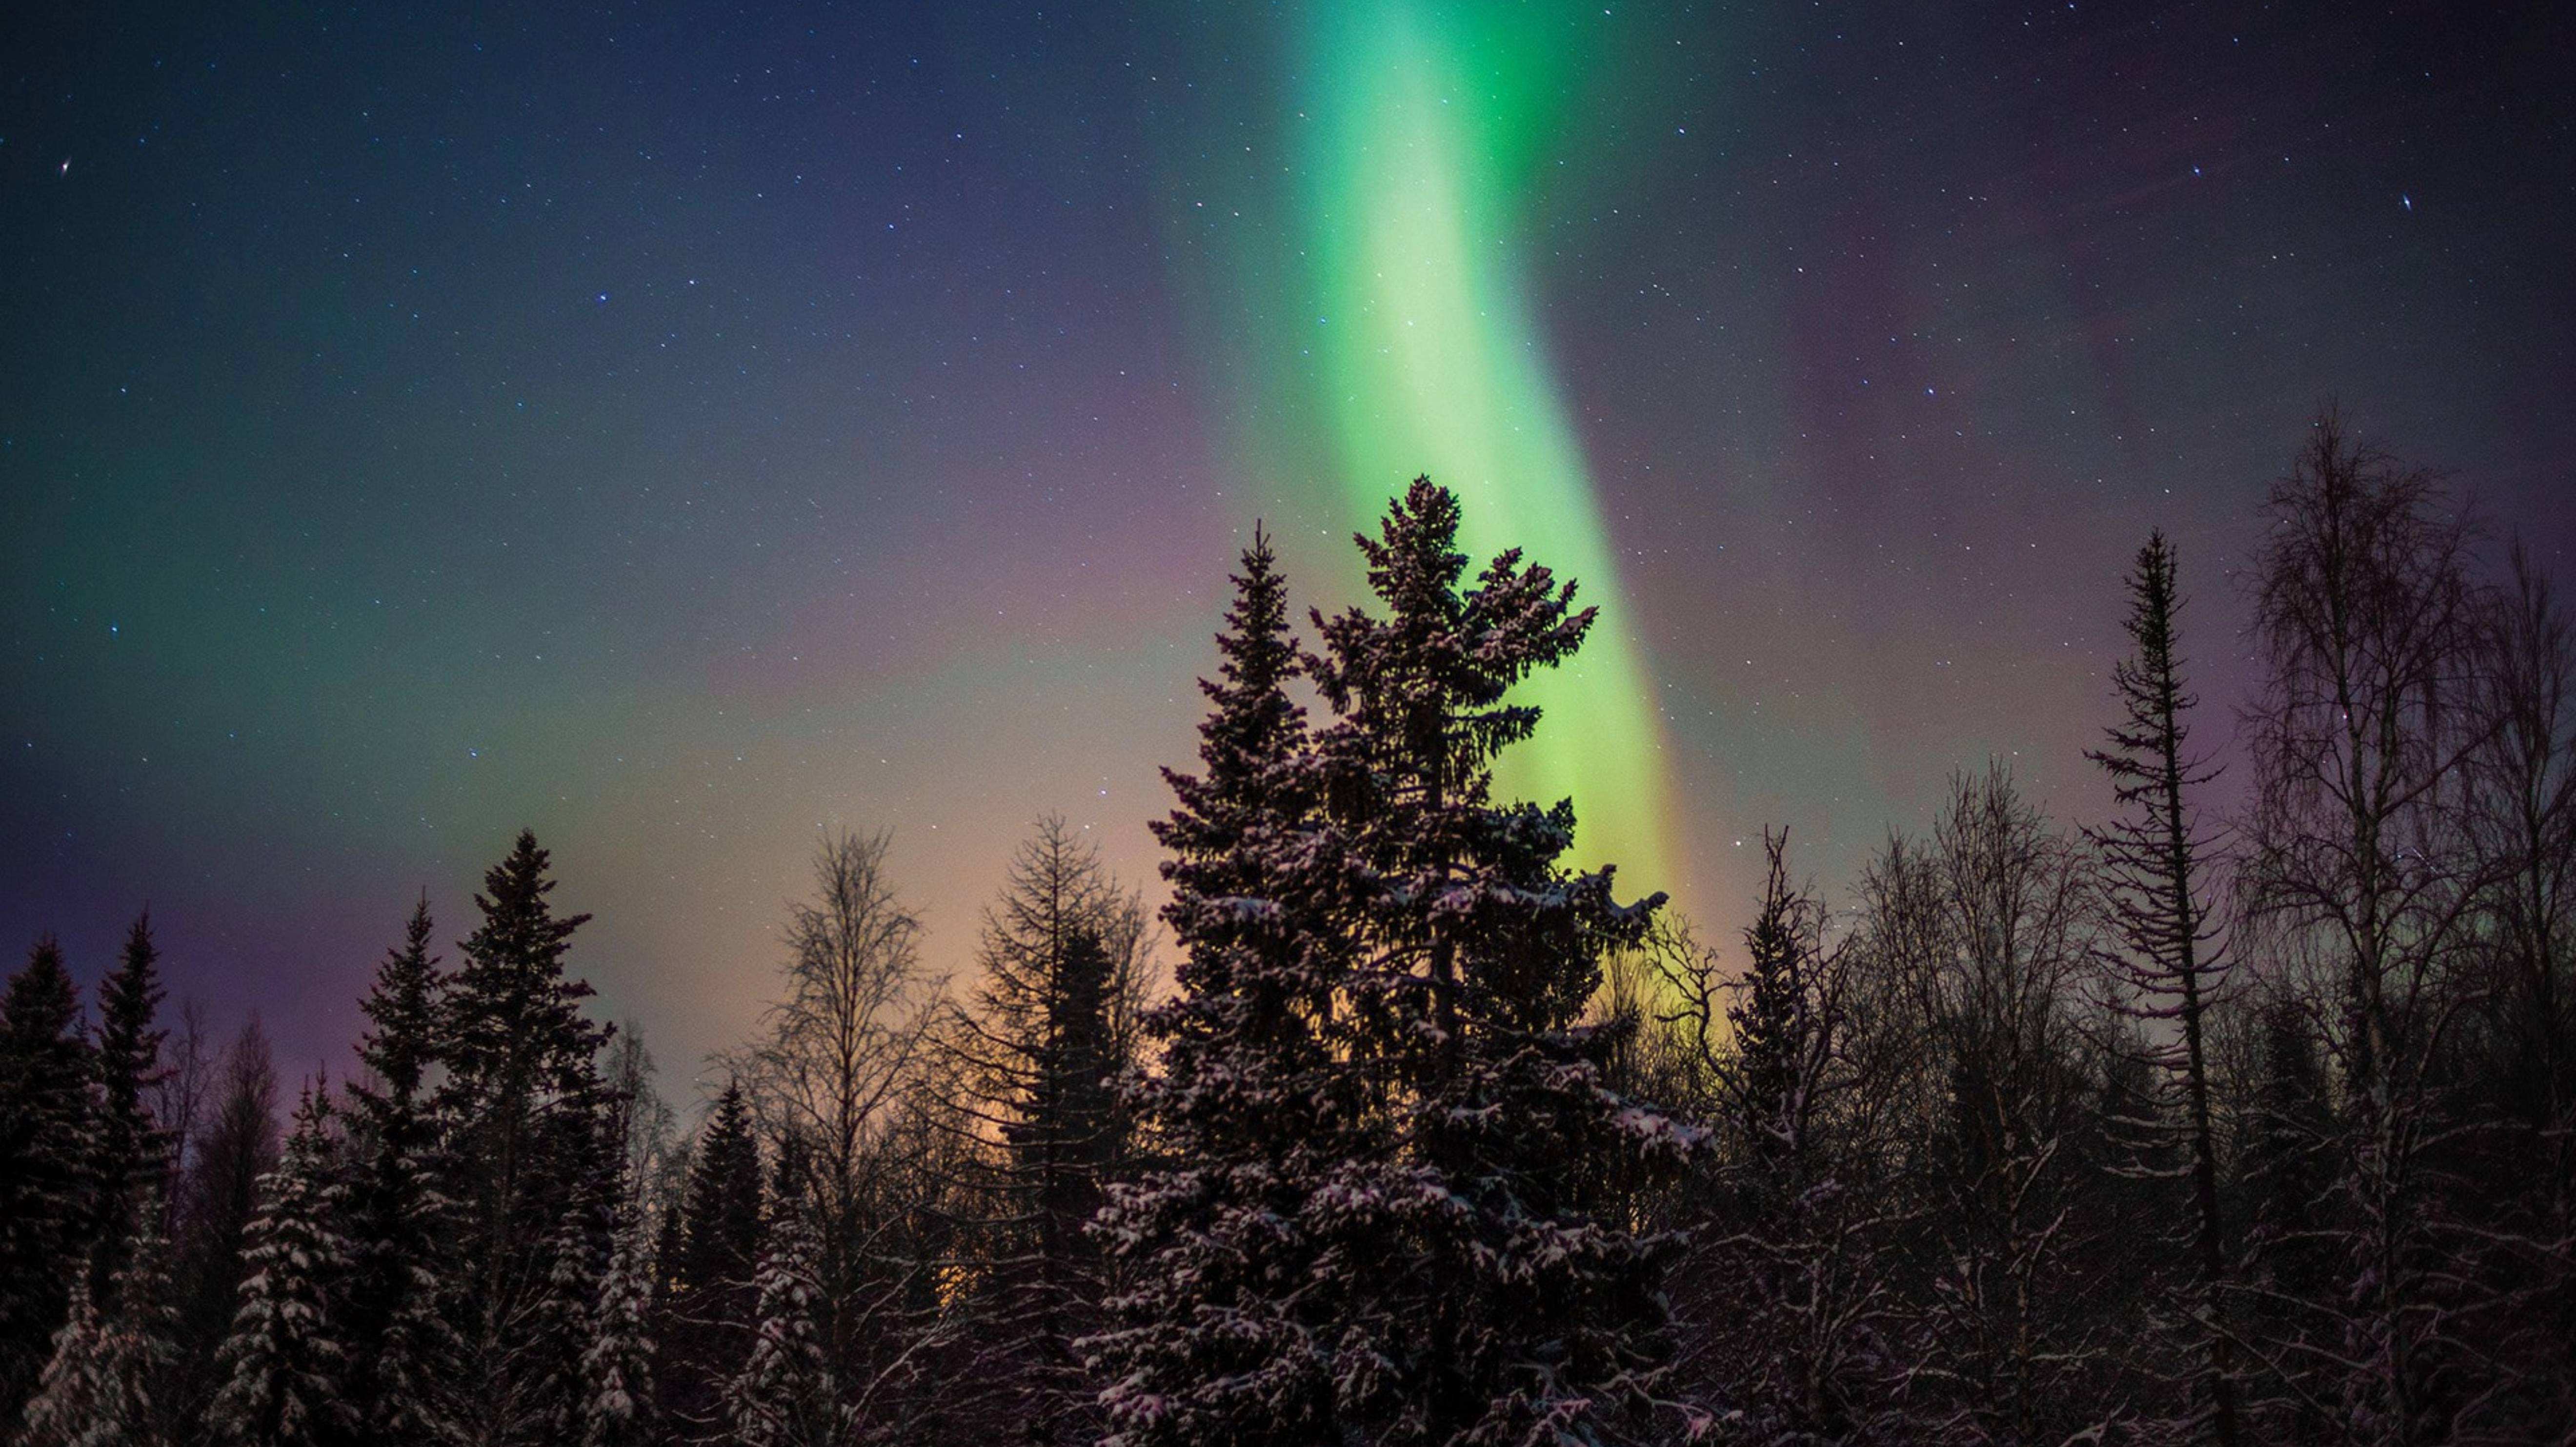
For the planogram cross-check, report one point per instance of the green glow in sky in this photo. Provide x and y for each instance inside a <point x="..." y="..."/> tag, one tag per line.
<point x="1422" y="122"/>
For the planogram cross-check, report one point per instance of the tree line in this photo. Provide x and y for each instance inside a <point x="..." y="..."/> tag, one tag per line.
<point x="2179" y="1126"/>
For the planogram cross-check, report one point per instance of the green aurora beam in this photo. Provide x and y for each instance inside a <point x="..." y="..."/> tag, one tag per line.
<point x="1418" y="123"/>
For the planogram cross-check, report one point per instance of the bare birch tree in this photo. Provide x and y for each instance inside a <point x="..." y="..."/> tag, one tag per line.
<point x="2521" y="824"/>
<point x="2364" y="618"/>
<point x="840" y="1050"/>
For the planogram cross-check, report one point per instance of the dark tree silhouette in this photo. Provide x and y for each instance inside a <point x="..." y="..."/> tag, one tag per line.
<point x="403" y="1350"/>
<point x="1783" y="1291"/>
<point x="236" y="1150"/>
<point x="131" y="1153"/>
<point x="2364" y="614"/>
<point x="2154" y="859"/>
<point x="45" y="1163"/>
<point x="1052" y="1025"/>
<point x="1986" y="929"/>
<point x="529" y="1140"/>
<point x="2289" y="1257"/>
<point x="706" y="1270"/>
<point x="2520" y="1065"/>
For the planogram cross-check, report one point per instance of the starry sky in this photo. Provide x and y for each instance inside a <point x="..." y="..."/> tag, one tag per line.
<point x="685" y="429"/>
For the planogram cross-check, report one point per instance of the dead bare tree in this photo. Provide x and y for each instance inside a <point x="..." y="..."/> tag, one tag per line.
<point x="1034" y="1058"/>
<point x="2167" y="971"/>
<point x="1988" y="927"/>
<point x="1784" y="1301"/>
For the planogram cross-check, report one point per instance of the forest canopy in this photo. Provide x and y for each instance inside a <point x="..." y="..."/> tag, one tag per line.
<point x="1391" y="1126"/>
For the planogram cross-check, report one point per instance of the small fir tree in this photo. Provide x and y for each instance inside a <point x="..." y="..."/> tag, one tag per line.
<point x="566" y="1320"/>
<point x="219" y="1197"/>
<point x="617" y="1369"/>
<point x="783" y="1396"/>
<point x="1052" y="1025"/>
<point x="1784" y="1290"/>
<point x="1783" y="1028"/>
<point x="67" y="1392"/>
<point x="1059" y="955"/>
<point x="285" y="1366"/>
<point x="720" y="1215"/>
<point x="711" y="1245"/>
<point x="114" y="1394"/>
<point x="402" y="1349"/>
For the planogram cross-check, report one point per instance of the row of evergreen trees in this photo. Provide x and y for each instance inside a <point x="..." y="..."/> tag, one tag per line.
<point x="422" y="1260"/>
<point x="2244" y="1130"/>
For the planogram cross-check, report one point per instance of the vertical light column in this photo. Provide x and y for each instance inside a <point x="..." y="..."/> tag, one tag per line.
<point x="1431" y="361"/>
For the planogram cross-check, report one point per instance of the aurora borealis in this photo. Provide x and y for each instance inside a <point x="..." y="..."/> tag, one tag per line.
<point x="1412" y="222"/>
<point x="681" y="428"/>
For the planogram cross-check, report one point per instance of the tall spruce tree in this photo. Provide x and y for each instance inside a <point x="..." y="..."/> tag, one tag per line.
<point x="1239" y="1284"/>
<point x="44" y="1165"/>
<point x="2154" y="862"/>
<point x="109" y="1381"/>
<point x="68" y="1388"/>
<point x="526" y="1115"/>
<point x="403" y="1351"/>
<point x="130" y="1150"/>
<point x="1529" y="1305"/>
<point x="1507" y="1297"/>
<point x="285" y="1364"/>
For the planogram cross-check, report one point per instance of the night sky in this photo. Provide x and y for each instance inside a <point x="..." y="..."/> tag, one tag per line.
<point x="682" y="429"/>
